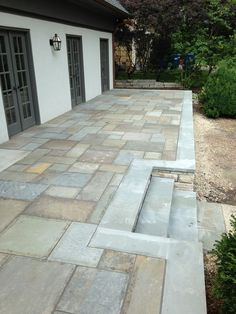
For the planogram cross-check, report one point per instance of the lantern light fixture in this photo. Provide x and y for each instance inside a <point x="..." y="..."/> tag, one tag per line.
<point x="55" y="42"/>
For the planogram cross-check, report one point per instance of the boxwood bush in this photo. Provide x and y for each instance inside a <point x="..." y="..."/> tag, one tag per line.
<point x="219" y="93"/>
<point x="224" y="287"/>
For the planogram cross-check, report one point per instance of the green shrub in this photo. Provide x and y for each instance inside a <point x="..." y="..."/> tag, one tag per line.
<point x="224" y="287"/>
<point x="219" y="93"/>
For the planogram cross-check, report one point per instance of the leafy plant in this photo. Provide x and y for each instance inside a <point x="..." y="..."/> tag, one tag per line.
<point x="219" y="93"/>
<point x="225" y="281"/>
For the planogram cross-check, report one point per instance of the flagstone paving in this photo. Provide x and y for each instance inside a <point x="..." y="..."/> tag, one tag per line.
<point x="55" y="192"/>
<point x="32" y="236"/>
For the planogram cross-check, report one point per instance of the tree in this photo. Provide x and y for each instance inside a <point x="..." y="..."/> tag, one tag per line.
<point x="214" y="38"/>
<point x="154" y="21"/>
<point x="161" y="27"/>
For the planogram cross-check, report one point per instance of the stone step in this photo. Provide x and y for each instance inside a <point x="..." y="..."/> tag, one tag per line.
<point x="183" y="216"/>
<point x="155" y="212"/>
<point x="122" y="212"/>
<point x="211" y="223"/>
<point x="184" y="287"/>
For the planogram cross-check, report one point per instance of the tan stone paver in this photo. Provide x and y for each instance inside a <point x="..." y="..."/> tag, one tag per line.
<point x="9" y="210"/>
<point x="59" y="208"/>
<point x="118" y="261"/>
<point x="38" y="168"/>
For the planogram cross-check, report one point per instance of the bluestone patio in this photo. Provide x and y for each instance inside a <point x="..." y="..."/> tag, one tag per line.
<point x="98" y="213"/>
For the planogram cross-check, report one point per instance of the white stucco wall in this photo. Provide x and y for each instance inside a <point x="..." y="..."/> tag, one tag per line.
<point x="51" y="68"/>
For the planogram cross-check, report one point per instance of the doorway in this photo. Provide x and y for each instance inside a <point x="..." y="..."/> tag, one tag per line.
<point x="75" y="63"/>
<point x="15" y="81"/>
<point x="104" y="52"/>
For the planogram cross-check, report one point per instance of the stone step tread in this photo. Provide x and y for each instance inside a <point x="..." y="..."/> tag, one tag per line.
<point x="155" y="213"/>
<point x="122" y="212"/>
<point x="184" y="288"/>
<point x="210" y="216"/>
<point x="183" y="216"/>
<point x="211" y="223"/>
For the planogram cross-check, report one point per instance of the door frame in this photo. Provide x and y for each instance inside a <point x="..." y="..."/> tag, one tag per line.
<point x="31" y="68"/>
<point x="83" y="91"/>
<point x="108" y="60"/>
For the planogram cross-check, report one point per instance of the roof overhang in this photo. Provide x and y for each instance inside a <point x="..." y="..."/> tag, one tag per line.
<point x="117" y="9"/>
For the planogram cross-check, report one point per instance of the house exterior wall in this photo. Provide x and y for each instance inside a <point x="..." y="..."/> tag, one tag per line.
<point x="51" y="67"/>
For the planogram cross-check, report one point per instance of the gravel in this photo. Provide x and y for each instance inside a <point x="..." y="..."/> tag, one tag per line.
<point x="215" y="144"/>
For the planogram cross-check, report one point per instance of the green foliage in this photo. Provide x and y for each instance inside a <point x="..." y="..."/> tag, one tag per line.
<point x="194" y="78"/>
<point x="212" y="39"/>
<point x="225" y="281"/>
<point x="219" y="93"/>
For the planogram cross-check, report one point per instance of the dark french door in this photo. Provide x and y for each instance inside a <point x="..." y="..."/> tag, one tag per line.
<point x="75" y="62"/>
<point x="15" y="81"/>
<point x="104" y="51"/>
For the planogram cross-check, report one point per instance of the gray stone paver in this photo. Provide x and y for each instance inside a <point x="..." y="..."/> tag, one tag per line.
<point x="101" y="205"/>
<point x="84" y="167"/>
<point x="73" y="246"/>
<point x="9" y="157"/>
<point x="210" y="223"/>
<point x="95" y="188"/>
<point x="83" y="154"/>
<point x="32" y="236"/>
<point x="98" y="156"/>
<point x="62" y="191"/>
<point x="70" y="179"/>
<point x="3" y="258"/>
<point x="126" y="156"/>
<point x="20" y="190"/>
<point x="32" y="286"/>
<point x="93" y="291"/>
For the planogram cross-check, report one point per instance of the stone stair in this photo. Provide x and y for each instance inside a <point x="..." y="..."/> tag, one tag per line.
<point x="154" y="216"/>
<point x="168" y="212"/>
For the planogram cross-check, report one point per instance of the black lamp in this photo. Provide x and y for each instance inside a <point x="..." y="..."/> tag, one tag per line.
<point x="55" y="42"/>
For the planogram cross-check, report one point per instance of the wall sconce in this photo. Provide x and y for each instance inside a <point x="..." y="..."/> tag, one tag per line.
<point x="55" y="42"/>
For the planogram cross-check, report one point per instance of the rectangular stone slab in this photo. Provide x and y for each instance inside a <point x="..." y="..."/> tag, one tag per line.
<point x="183" y="218"/>
<point x="72" y="248"/>
<point x="32" y="286"/>
<point x="20" y="190"/>
<point x="186" y="137"/>
<point x="9" y="210"/>
<point x="94" y="291"/>
<point x="10" y="156"/>
<point x="124" y="208"/>
<point x="145" y="290"/>
<point x="32" y="236"/>
<point x="155" y="213"/>
<point x="184" y="290"/>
